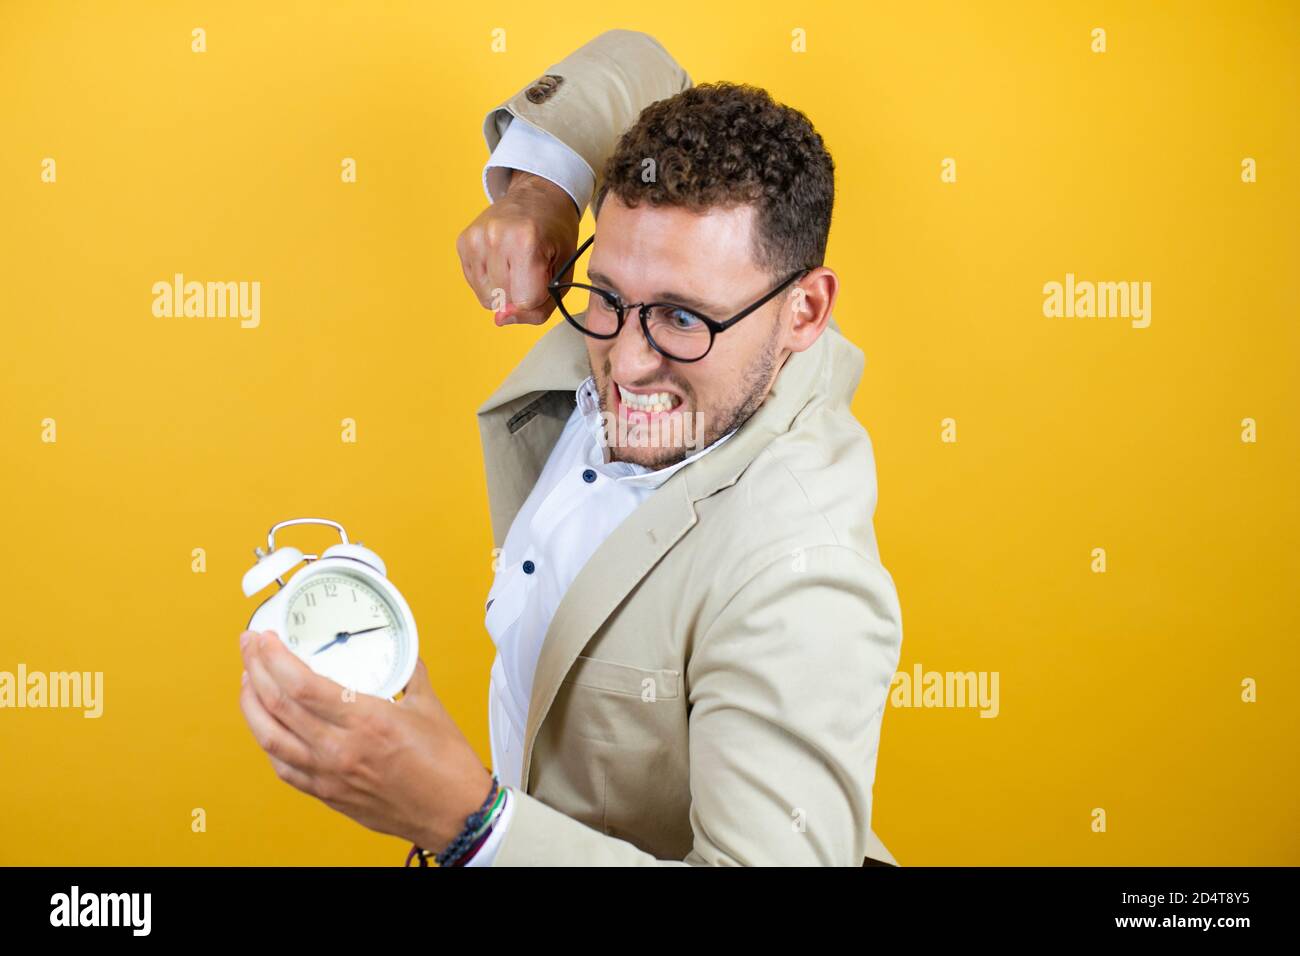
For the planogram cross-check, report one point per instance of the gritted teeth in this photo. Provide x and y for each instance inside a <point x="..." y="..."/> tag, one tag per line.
<point x="648" y="401"/>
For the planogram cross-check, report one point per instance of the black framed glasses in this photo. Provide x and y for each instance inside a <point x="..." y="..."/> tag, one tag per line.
<point x="674" y="331"/>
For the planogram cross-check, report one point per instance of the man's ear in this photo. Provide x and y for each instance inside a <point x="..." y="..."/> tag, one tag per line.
<point x="810" y="303"/>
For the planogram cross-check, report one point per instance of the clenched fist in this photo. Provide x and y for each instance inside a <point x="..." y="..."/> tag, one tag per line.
<point x="511" y="250"/>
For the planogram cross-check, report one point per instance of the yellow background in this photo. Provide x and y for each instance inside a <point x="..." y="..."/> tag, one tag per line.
<point x="1118" y="690"/>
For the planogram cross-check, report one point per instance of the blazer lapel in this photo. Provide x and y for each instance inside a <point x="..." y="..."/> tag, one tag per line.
<point x="637" y="545"/>
<point x="621" y="561"/>
<point x="522" y="420"/>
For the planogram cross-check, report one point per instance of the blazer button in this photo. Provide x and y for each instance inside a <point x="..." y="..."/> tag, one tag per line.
<point x="542" y="90"/>
<point x="529" y="567"/>
<point x="588" y="476"/>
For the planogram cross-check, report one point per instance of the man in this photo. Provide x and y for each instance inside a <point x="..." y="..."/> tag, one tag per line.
<point x="695" y="638"/>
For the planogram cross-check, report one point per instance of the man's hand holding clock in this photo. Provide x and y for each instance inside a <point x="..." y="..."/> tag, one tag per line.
<point x="401" y="768"/>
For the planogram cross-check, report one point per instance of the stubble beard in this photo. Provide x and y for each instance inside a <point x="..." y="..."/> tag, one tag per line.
<point x="753" y="392"/>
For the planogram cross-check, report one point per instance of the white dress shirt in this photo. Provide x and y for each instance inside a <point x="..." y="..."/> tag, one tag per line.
<point x="526" y="147"/>
<point x="578" y="500"/>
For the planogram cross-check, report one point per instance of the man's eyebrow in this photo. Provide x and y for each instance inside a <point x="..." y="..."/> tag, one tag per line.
<point x="675" y="298"/>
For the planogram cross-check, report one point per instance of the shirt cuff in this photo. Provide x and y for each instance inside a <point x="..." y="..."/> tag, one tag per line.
<point x="524" y="146"/>
<point x="488" y="851"/>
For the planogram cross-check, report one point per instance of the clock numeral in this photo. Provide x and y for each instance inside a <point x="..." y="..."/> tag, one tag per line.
<point x="354" y="595"/>
<point x="297" y="617"/>
<point x="293" y="640"/>
<point x="374" y="609"/>
<point x="311" y="599"/>
<point x="331" y="589"/>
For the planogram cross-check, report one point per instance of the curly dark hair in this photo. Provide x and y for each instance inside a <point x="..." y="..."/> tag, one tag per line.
<point x="729" y="144"/>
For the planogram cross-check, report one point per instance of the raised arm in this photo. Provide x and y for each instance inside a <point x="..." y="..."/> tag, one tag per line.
<point x="590" y="97"/>
<point x="543" y="172"/>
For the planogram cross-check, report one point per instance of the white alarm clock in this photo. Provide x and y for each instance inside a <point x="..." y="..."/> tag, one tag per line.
<point x="340" y="614"/>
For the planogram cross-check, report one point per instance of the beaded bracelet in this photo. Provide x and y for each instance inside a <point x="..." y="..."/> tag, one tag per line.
<point x="475" y="823"/>
<point x="485" y="831"/>
<point x="471" y="835"/>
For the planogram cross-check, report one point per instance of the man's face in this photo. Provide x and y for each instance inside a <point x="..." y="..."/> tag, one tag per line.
<point x="702" y="262"/>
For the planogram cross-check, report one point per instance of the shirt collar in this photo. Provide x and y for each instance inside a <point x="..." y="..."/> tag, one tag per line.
<point x="624" y="471"/>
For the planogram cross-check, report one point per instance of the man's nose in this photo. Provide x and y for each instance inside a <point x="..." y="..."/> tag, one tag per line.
<point x="631" y="358"/>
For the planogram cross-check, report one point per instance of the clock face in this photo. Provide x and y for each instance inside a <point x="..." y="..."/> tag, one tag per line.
<point x="346" y="629"/>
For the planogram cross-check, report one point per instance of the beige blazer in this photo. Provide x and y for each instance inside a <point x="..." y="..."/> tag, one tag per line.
<point x="711" y="688"/>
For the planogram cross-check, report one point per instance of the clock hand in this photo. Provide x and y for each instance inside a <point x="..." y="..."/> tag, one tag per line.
<point x="342" y="638"/>
<point x="324" y="647"/>
<point x="345" y="636"/>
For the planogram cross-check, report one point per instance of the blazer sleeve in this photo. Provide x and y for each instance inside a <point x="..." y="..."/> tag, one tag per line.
<point x="787" y="689"/>
<point x="590" y="97"/>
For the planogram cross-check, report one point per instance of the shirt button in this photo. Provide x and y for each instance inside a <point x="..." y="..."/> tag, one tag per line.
<point x="529" y="567"/>
<point x="589" y="476"/>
